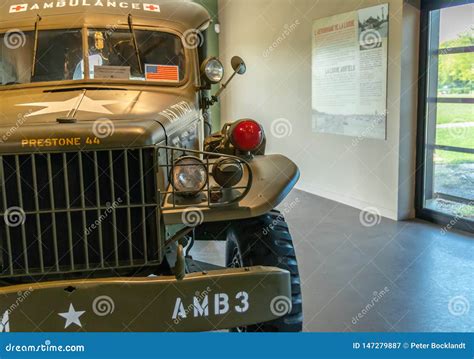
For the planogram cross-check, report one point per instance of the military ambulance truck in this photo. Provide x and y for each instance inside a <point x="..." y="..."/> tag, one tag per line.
<point x="110" y="173"/>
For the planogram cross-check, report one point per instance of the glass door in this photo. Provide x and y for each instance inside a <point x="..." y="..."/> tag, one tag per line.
<point x="446" y="123"/>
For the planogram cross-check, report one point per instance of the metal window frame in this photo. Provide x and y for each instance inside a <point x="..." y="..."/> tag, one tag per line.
<point x="427" y="111"/>
<point x="441" y="4"/>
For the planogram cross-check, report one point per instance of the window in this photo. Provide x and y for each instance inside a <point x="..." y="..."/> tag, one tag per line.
<point x="115" y="48"/>
<point x="60" y="56"/>
<point x="57" y="56"/>
<point x="446" y="133"/>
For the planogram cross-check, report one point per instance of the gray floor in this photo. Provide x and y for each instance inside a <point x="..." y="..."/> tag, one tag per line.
<point x="405" y="276"/>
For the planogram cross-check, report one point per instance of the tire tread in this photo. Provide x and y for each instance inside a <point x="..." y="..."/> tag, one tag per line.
<point x="266" y="240"/>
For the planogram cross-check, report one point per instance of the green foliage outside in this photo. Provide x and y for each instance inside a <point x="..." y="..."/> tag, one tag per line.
<point x="455" y="79"/>
<point x="454" y="113"/>
<point x="456" y="71"/>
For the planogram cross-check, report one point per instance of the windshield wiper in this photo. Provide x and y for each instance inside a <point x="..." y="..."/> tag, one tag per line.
<point x="35" y="46"/>
<point x="88" y="88"/>
<point x="135" y="44"/>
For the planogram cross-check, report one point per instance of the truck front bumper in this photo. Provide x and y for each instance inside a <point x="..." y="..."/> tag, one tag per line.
<point x="205" y="301"/>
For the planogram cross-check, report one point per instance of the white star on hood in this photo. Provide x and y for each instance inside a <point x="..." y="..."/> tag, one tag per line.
<point x="87" y="105"/>
<point x="72" y="316"/>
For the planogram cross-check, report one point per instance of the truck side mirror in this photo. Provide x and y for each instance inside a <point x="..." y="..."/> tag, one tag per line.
<point x="238" y="64"/>
<point x="240" y="68"/>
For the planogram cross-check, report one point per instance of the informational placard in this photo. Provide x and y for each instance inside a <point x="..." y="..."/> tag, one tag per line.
<point x="350" y="53"/>
<point x="112" y="72"/>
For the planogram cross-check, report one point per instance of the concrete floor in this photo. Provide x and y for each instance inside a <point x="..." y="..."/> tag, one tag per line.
<point x="393" y="276"/>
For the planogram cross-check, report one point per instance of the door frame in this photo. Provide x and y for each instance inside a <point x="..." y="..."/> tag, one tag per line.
<point x="427" y="103"/>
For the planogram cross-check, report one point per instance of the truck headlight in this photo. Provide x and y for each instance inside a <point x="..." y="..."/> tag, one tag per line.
<point x="213" y="70"/>
<point x="189" y="176"/>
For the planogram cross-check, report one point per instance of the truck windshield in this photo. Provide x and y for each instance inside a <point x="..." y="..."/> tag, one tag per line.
<point x="58" y="54"/>
<point x="111" y="55"/>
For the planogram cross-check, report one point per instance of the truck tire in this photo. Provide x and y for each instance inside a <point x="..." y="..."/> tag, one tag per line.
<point x="266" y="241"/>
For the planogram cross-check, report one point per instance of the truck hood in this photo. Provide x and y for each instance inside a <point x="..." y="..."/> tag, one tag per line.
<point x="104" y="118"/>
<point x="41" y="107"/>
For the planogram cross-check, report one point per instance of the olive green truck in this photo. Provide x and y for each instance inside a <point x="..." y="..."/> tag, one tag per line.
<point x="110" y="173"/>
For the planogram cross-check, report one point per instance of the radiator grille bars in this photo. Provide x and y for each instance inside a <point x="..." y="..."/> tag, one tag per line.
<point x="78" y="211"/>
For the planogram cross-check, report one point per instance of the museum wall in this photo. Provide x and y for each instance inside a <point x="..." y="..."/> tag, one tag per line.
<point x="274" y="38"/>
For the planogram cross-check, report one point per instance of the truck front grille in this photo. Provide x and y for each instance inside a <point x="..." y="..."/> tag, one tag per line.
<point x="78" y="211"/>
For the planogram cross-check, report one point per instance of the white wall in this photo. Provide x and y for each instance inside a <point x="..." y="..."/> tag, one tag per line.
<point x="360" y="173"/>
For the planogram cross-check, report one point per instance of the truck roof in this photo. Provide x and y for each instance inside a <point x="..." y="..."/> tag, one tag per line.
<point x="180" y="14"/>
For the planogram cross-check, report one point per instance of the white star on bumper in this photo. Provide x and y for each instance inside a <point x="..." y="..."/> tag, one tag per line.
<point x="72" y="316"/>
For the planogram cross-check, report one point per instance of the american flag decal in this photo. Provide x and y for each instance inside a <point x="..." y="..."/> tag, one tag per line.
<point x="162" y="73"/>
